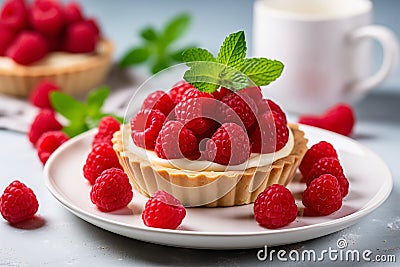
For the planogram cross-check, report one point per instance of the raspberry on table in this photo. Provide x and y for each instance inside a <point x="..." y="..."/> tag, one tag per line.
<point x="44" y="121"/>
<point x="48" y="143"/>
<point x="177" y="91"/>
<point x="323" y="195"/>
<point x="275" y="207"/>
<point x="175" y="141"/>
<point x="164" y="211"/>
<point x="271" y="133"/>
<point x="339" y="118"/>
<point x="27" y="48"/>
<point x="100" y="158"/>
<point x="145" y="126"/>
<point x="239" y="108"/>
<point x="40" y="95"/>
<point x="112" y="190"/>
<point x="14" y="15"/>
<point x="229" y="145"/>
<point x="329" y="166"/>
<point x="47" y="17"/>
<point x="108" y="125"/>
<point x="80" y="37"/>
<point x="159" y="100"/>
<point x="6" y="37"/>
<point x="18" y="203"/>
<point x="314" y="153"/>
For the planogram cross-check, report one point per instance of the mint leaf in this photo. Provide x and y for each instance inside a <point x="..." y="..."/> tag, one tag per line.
<point x="198" y="54"/>
<point x="233" y="50"/>
<point x="149" y="34"/>
<point x="67" y="106"/>
<point x="96" y="100"/>
<point x="262" y="71"/>
<point x="176" y="28"/>
<point x="135" y="56"/>
<point x="75" y="127"/>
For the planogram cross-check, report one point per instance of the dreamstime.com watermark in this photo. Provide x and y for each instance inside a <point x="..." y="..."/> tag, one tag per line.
<point x="338" y="253"/>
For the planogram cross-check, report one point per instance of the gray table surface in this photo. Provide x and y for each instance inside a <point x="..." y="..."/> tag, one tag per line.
<point x="61" y="238"/>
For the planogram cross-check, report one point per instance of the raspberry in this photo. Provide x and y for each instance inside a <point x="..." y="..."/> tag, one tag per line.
<point x="145" y="127"/>
<point x="47" y="17"/>
<point x="108" y="125"/>
<point x="72" y="13"/>
<point x="6" y="37"/>
<point x="94" y="25"/>
<point x="329" y="166"/>
<point x="323" y="195"/>
<point x="14" y="15"/>
<point x="190" y="113"/>
<point x="112" y="190"/>
<point x="229" y="145"/>
<point x="80" y="37"/>
<point x="163" y="210"/>
<point x="44" y="121"/>
<point x="320" y="150"/>
<point x="271" y="134"/>
<point x="48" y="143"/>
<point x="194" y="93"/>
<point x="223" y="92"/>
<point x="265" y="105"/>
<point x="177" y="91"/>
<point x="339" y="118"/>
<point x="254" y="92"/>
<point x="102" y="157"/>
<point x="27" y="48"/>
<point x="159" y="100"/>
<point x="175" y="141"/>
<point x="40" y="96"/>
<point x="239" y="108"/>
<point x="18" y="203"/>
<point x="275" y="207"/>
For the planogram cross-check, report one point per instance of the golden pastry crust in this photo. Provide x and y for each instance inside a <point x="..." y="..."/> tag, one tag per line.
<point x="209" y="188"/>
<point x="74" y="79"/>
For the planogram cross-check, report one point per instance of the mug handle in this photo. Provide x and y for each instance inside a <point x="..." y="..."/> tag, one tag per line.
<point x="390" y="47"/>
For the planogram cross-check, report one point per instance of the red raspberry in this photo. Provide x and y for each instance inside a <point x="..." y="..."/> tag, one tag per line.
<point x="18" y="203"/>
<point x="265" y="105"/>
<point x="94" y="25"/>
<point x="112" y="190"/>
<point x="80" y="37"/>
<point x="159" y="100"/>
<point x="40" y="96"/>
<point x="175" y="141"/>
<point x="329" y="166"/>
<point x="191" y="114"/>
<point x="27" y="48"/>
<point x="47" y="17"/>
<point x="271" y="134"/>
<point x="320" y="150"/>
<point x="323" y="195"/>
<point x="145" y="127"/>
<point x="194" y="93"/>
<point x="229" y="145"/>
<point x="339" y="118"/>
<point x="239" y="108"/>
<point x="108" y="125"/>
<point x="163" y="210"/>
<point x="102" y="157"/>
<point x="223" y="92"/>
<point x="275" y="207"/>
<point x="177" y="91"/>
<point x="72" y="13"/>
<point x="44" y="121"/>
<point x="254" y="92"/>
<point x="6" y="37"/>
<point x="48" y="143"/>
<point x="14" y="15"/>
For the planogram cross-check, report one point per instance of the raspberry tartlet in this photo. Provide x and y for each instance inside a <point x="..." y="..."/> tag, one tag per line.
<point x="219" y="149"/>
<point x="49" y="40"/>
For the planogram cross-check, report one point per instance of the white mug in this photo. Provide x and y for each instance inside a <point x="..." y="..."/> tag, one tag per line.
<point x="326" y="48"/>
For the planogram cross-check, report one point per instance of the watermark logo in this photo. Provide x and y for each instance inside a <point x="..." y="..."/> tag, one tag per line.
<point x="338" y="253"/>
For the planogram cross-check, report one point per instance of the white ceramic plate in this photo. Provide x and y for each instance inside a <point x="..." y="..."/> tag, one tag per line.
<point x="224" y="228"/>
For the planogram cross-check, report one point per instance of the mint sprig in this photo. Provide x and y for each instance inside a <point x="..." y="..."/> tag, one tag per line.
<point x="158" y="47"/>
<point x="81" y="116"/>
<point x="231" y="68"/>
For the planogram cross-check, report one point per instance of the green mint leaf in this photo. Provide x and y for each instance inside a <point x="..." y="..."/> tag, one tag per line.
<point x="149" y="34"/>
<point x="160" y="64"/>
<point x="95" y="100"/>
<point x="197" y="54"/>
<point x="205" y="87"/>
<point x="233" y="50"/>
<point x="75" y="128"/>
<point x="135" y="56"/>
<point x="177" y="55"/>
<point x="67" y="106"/>
<point x="176" y="28"/>
<point x="262" y="71"/>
